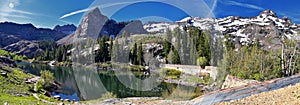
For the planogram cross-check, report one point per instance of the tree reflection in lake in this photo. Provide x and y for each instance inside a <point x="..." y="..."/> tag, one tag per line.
<point x="81" y="83"/>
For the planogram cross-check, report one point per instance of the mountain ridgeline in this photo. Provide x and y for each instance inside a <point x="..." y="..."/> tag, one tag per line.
<point x="23" y="39"/>
<point x="66" y="29"/>
<point x="267" y="27"/>
<point x="30" y="32"/>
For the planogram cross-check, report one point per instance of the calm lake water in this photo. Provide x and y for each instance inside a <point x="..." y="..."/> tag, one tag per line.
<point x="85" y="84"/>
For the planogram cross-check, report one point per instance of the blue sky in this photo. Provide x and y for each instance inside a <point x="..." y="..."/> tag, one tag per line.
<point x="48" y="13"/>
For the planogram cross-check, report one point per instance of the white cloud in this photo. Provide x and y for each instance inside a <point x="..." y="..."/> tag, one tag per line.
<point x="242" y="4"/>
<point x="74" y="13"/>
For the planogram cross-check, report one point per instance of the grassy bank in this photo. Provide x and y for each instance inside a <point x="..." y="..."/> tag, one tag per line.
<point x="15" y="89"/>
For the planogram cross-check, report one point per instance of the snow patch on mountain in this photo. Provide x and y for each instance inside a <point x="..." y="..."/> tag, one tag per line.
<point x="265" y="23"/>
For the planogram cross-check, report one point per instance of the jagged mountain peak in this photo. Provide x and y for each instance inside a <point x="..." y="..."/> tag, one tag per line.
<point x="94" y="24"/>
<point x="94" y="12"/>
<point x="243" y="29"/>
<point x="91" y="24"/>
<point x="268" y="13"/>
<point x="96" y="9"/>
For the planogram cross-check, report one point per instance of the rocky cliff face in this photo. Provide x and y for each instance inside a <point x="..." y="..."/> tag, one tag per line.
<point x="134" y="27"/>
<point x="94" y="24"/>
<point x="91" y="24"/>
<point x="28" y="48"/>
<point x="22" y="38"/>
<point x="6" y="39"/>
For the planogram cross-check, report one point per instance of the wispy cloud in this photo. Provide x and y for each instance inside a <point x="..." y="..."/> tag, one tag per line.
<point x="14" y="16"/>
<point x="229" y="2"/>
<point x="8" y="10"/>
<point x="75" y="12"/>
<point x="213" y="7"/>
<point x="102" y="6"/>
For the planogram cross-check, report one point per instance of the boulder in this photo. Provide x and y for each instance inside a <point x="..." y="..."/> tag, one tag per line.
<point x="4" y="74"/>
<point x="57" y="97"/>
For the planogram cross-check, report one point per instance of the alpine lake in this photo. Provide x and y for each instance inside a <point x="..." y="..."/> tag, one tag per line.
<point x="83" y="84"/>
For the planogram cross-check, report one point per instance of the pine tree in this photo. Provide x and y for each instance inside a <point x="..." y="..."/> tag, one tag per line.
<point x="115" y="51"/>
<point x="204" y="46"/>
<point x="177" y="35"/>
<point x="170" y="57"/>
<point x="134" y="55"/>
<point x="140" y="54"/>
<point x="169" y="35"/>
<point x="184" y="28"/>
<point x="64" y="53"/>
<point x="111" y="44"/>
<point x="185" y="49"/>
<point x="102" y="53"/>
<point x="167" y="47"/>
<point x="228" y="42"/>
<point x="167" y="44"/>
<point x="192" y="39"/>
<point x="46" y="54"/>
<point x="176" y="57"/>
<point x="59" y="54"/>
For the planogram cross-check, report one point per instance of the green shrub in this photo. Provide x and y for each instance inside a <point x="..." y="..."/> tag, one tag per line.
<point x="48" y="77"/>
<point x="170" y="72"/>
<point x="256" y="76"/>
<point x="241" y="75"/>
<point x="207" y="79"/>
<point x="135" y="68"/>
<point x="12" y="55"/>
<point x="39" y="86"/>
<point x="108" y="95"/>
<point x="4" y="53"/>
<point x="202" y="61"/>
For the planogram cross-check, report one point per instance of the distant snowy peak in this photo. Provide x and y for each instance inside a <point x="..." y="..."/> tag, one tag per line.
<point x="186" y="19"/>
<point x="266" y="22"/>
<point x="159" y="27"/>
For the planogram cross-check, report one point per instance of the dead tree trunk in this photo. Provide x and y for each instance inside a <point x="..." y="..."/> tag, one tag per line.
<point x="282" y="59"/>
<point x="290" y="68"/>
